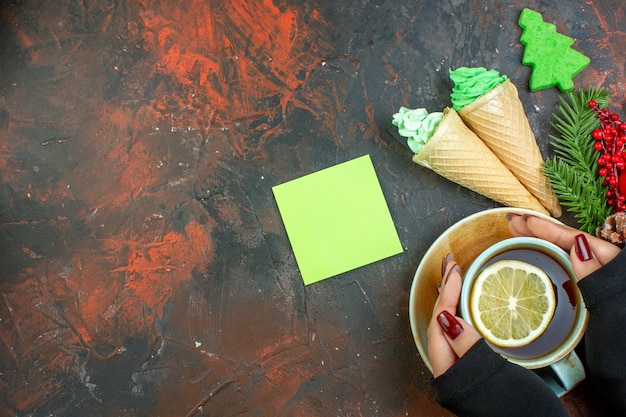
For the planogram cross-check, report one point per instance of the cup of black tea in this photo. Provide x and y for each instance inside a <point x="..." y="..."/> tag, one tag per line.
<point x="521" y="295"/>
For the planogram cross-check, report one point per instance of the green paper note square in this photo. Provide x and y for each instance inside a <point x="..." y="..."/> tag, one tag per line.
<point x="337" y="219"/>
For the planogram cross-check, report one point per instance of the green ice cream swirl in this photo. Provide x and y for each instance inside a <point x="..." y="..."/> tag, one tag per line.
<point x="417" y="126"/>
<point x="471" y="83"/>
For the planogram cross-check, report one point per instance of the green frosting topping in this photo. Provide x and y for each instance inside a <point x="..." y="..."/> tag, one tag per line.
<point x="471" y="83"/>
<point x="417" y="125"/>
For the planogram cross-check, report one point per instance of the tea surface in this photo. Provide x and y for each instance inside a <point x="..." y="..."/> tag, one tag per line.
<point x="566" y="304"/>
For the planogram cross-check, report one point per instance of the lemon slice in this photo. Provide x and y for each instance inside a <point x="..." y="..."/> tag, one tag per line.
<point x="512" y="303"/>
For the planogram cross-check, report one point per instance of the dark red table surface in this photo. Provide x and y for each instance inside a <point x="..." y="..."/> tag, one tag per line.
<point x="145" y="270"/>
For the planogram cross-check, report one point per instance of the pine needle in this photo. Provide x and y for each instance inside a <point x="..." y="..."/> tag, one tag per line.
<point x="573" y="170"/>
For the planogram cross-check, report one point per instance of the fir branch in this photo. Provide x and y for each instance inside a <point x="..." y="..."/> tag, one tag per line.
<point x="575" y="192"/>
<point x="575" y="124"/>
<point x="573" y="171"/>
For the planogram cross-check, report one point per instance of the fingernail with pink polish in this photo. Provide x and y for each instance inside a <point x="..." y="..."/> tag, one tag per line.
<point x="449" y="324"/>
<point x="581" y="247"/>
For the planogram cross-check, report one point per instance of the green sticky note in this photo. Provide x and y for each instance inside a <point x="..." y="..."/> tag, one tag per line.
<point x="337" y="219"/>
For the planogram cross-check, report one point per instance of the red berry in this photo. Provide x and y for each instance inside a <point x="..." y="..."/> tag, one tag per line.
<point x="610" y="202"/>
<point x="603" y="172"/>
<point x="598" y="146"/>
<point x="609" y="165"/>
<point x="615" y="117"/>
<point x="592" y="103"/>
<point x="620" y="165"/>
<point x="622" y="183"/>
<point x="622" y="126"/>
<point x="597" y="134"/>
<point x="601" y="161"/>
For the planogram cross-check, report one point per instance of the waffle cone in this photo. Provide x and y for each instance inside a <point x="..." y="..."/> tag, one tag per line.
<point x="456" y="153"/>
<point x="498" y="118"/>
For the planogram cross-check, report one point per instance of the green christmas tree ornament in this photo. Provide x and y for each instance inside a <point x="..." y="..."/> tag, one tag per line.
<point x="554" y="63"/>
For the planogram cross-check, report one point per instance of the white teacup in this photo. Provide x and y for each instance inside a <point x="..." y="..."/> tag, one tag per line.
<point x="552" y="355"/>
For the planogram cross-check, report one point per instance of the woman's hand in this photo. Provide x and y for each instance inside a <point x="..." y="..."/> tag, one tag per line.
<point x="588" y="252"/>
<point x="449" y="337"/>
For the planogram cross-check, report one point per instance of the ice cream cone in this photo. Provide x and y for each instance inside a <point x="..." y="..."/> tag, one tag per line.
<point x="498" y="118"/>
<point x="456" y="153"/>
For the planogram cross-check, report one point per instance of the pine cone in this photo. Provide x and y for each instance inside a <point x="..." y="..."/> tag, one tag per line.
<point x="614" y="229"/>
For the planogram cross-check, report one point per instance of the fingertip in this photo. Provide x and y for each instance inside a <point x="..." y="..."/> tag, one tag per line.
<point x="455" y="271"/>
<point x="511" y="215"/>
<point x="449" y="324"/>
<point x="452" y="281"/>
<point x="584" y="261"/>
<point x="451" y="268"/>
<point x="460" y="334"/>
<point x="517" y="224"/>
